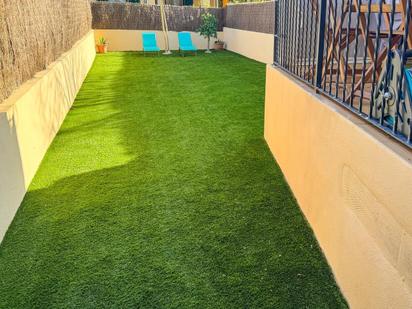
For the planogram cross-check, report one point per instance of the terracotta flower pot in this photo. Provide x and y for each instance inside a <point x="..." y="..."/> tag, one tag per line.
<point x="102" y="48"/>
<point x="219" y="45"/>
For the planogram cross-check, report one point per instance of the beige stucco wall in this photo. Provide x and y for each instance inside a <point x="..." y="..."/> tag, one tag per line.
<point x="354" y="185"/>
<point x="254" y="45"/>
<point x="31" y="117"/>
<point x="131" y="40"/>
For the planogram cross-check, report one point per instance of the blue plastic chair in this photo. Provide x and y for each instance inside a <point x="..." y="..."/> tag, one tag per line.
<point x="408" y="77"/>
<point x="149" y="42"/>
<point x="185" y="43"/>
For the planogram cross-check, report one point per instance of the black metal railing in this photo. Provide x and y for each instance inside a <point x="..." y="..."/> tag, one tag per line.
<point x="356" y="52"/>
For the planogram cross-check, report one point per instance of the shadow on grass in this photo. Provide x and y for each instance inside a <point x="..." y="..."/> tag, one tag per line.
<point x="159" y="192"/>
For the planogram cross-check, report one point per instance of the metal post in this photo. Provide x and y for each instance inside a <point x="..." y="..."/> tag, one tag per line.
<point x="320" y="42"/>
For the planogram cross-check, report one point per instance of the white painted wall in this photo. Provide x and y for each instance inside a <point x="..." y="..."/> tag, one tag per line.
<point x="131" y="40"/>
<point x="254" y="45"/>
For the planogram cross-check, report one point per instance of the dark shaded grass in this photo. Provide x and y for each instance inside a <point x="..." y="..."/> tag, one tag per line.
<point x="159" y="192"/>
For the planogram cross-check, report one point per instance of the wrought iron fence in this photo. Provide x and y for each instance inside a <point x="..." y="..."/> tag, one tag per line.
<point x="356" y="52"/>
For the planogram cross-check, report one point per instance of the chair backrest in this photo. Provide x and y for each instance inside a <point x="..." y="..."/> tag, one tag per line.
<point x="149" y="39"/>
<point x="185" y="39"/>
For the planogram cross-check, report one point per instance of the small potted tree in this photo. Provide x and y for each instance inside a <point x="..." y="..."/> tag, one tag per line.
<point x="208" y="28"/>
<point x="102" y="45"/>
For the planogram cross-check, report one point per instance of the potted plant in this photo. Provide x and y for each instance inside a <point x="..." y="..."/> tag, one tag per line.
<point x="219" y="45"/>
<point x="102" y="45"/>
<point x="208" y="28"/>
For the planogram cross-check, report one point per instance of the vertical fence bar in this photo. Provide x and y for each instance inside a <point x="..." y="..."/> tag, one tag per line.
<point x="300" y="37"/>
<point x="335" y="13"/>
<point x="295" y="37"/>
<point x="355" y="57"/>
<point x="388" y="63"/>
<point x="326" y="63"/>
<point x="400" y="82"/>
<point x="287" y="34"/>
<point x="282" y="9"/>
<point x="348" y="42"/>
<point x="375" y="59"/>
<point x="312" y="76"/>
<point x="320" y="42"/>
<point x="305" y="37"/>
<point x="365" y="55"/>
<point x="283" y="25"/>
<point x="342" y="19"/>
<point x="292" y="35"/>
<point x="276" y="33"/>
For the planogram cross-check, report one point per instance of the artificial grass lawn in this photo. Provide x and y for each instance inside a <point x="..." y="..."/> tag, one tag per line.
<point x="160" y="192"/>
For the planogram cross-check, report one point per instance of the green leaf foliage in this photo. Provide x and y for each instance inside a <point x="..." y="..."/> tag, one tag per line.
<point x="208" y="27"/>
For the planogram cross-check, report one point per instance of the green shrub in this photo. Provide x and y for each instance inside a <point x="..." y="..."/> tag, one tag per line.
<point x="208" y="28"/>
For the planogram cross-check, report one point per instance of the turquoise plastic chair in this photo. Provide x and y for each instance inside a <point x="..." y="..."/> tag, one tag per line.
<point x="149" y="42"/>
<point x="185" y="43"/>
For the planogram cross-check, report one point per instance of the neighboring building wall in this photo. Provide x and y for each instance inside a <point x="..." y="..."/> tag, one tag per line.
<point x="31" y="117"/>
<point x="34" y="33"/>
<point x="353" y="183"/>
<point x="206" y="3"/>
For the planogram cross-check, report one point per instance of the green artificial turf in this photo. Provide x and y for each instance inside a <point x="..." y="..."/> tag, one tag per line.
<point x="160" y="192"/>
